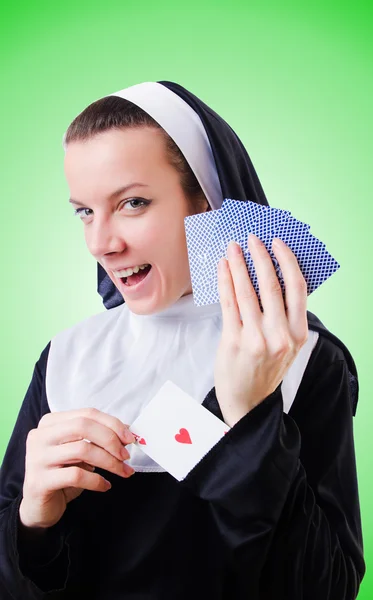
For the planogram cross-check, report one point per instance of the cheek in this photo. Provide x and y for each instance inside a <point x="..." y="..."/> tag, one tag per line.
<point x="153" y="234"/>
<point x="172" y="239"/>
<point x="165" y="235"/>
<point x="87" y="239"/>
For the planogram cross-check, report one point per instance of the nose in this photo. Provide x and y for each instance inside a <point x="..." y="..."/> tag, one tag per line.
<point x="104" y="237"/>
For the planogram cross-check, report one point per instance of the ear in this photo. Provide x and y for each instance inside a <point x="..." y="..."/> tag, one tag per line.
<point x="199" y="205"/>
<point x="205" y="206"/>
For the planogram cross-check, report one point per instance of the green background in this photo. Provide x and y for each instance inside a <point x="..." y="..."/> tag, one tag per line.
<point x="294" y="81"/>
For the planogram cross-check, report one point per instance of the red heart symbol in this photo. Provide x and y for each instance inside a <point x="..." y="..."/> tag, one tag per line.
<point x="139" y="439"/>
<point x="183" y="436"/>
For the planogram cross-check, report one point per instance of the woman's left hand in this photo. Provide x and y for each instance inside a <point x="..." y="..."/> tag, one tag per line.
<point x="257" y="348"/>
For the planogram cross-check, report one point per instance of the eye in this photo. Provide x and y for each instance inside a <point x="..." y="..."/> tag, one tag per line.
<point x="79" y="212"/>
<point x="136" y="203"/>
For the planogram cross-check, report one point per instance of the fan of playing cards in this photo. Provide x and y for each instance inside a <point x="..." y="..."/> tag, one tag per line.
<point x="208" y="235"/>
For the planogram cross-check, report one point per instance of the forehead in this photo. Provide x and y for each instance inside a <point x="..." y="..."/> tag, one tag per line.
<point x="117" y="150"/>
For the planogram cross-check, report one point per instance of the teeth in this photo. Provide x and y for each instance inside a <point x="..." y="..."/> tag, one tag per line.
<point x="129" y="272"/>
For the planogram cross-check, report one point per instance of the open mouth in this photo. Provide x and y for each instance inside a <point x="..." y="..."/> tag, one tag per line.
<point x="136" y="278"/>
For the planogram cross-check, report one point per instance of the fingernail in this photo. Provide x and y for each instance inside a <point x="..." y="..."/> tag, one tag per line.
<point x="129" y="437"/>
<point x="222" y="264"/>
<point x="107" y="484"/>
<point x="253" y="239"/>
<point x="277" y="242"/>
<point x="128" y="471"/>
<point x="125" y="454"/>
<point x="234" y="248"/>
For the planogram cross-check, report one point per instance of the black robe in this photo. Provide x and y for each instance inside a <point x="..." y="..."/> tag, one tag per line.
<point x="271" y="512"/>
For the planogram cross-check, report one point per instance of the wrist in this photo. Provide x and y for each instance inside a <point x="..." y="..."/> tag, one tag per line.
<point x="233" y="414"/>
<point x="28" y="521"/>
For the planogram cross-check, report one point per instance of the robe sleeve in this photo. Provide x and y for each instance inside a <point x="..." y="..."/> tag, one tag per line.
<point x="285" y="497"/>
<point x="27" y="559"/>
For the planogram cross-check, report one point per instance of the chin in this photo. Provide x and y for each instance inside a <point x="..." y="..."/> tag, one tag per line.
<point x="141" y="308"/>
<point x="150" y="305"/>
<point x="146" y="306"/>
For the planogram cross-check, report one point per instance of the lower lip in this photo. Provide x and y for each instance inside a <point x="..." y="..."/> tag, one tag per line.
<point x="139" y="288"/>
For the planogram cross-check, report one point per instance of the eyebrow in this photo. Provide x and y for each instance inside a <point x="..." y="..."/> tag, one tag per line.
<point x="114" y="195"/>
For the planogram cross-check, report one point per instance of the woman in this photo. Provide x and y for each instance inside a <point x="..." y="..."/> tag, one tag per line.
<point x="272" y="510"/>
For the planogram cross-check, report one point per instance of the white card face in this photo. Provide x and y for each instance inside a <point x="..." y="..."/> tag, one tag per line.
<point x="176" y="431"/>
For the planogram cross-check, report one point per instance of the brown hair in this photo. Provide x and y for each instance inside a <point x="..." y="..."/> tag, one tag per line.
<point x="113" y="112"/>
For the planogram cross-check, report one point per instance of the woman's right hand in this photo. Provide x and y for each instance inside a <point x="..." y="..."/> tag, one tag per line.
<point x="60" y="462"/>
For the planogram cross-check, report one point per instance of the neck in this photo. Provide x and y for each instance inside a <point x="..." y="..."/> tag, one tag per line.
<point x="183" y="309"/>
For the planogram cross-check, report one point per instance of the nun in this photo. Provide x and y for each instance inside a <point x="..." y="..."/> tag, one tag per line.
<point x="271" y="511"/>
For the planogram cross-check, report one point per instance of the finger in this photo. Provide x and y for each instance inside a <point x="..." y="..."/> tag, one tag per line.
<point x="229" y="307"/>
<point x="79" y="429"/>
<point x="121" y="429"/>
<point x="75" y="477"/>
<point x="90" y="454"/>
<point x="87" y="467"/>
<point x="269" y="285"/>
<point x="246" y="297"/>
<point x="295" y="290"/>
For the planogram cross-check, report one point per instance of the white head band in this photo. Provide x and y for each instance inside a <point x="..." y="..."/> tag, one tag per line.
<point x="185" y="127"/>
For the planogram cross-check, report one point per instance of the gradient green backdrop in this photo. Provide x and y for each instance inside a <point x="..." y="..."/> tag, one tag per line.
<point x="294" y="82"/>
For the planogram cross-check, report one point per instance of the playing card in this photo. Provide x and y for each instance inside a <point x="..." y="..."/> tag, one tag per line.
<point x="246" y="215"/>
<point x="176" y="431"/>
<point x="234" y="222"/>
<point x="315" y="262"/>
<point x="206" y="294"/>
<point x="230" y="213"/>
<point x="220" y="229"/>
<point x="270" y="221"/>
<point x="199" y="229"/>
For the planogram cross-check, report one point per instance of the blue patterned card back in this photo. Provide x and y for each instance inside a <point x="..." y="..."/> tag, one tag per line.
<point x="208" y="235"/>
<point x="199" y="230"/>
